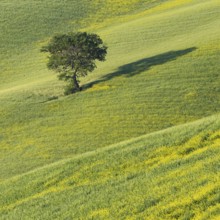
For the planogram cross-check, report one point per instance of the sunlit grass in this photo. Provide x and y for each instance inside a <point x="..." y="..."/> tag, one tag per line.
<point x="61" y="157"/>
<point x="155" y="177"/>
<point x="160" y="71"/>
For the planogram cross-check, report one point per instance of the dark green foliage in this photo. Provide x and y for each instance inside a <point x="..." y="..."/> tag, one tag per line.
<point x="73" y="55"/>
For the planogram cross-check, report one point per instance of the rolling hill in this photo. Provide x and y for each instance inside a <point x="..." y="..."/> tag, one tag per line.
<point x="141" y="141"/>
<point x="169" y="174"/>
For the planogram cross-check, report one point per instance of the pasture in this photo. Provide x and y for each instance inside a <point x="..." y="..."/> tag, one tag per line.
<point x="144" y="117"/>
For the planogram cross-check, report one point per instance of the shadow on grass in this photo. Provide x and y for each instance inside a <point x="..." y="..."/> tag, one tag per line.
<point x="139" y="66"/>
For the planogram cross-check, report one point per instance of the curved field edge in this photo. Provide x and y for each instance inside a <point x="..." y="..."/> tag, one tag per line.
<point x="170" y="174"/>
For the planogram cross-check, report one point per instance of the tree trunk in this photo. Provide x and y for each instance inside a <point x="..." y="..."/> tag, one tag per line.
<point x="75" y="83"/>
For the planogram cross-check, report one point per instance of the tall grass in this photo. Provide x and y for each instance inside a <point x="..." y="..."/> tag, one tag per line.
<point x="170" y="174"/>
<point x="114" y="150"/>
<point x="161" y="71"/>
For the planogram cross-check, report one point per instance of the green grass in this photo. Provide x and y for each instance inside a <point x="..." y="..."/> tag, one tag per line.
<point x="150" y="81"/>
<point x="170" y="174"/>
<point x="162" y="70"/>
<point x="26" y="25"/>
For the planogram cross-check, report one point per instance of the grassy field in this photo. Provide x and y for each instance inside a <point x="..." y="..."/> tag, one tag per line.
<point x="170" y="174"/>
<point x="162" y="71"/>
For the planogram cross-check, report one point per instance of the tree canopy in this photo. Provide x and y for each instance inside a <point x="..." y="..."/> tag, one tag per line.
<point x="73" y="55"/>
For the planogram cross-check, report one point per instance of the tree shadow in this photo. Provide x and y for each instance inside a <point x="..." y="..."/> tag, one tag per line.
<point x="131" y="69"/>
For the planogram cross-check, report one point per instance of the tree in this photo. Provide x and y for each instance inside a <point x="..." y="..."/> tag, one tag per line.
<point x="73" y="55"/>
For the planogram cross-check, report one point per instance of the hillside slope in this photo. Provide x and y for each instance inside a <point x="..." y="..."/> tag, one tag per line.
<point x="170" y="174"/>
<point x="129" y="145"/>
<point x="26" y="25"/>
<point x="162" y="70"/>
